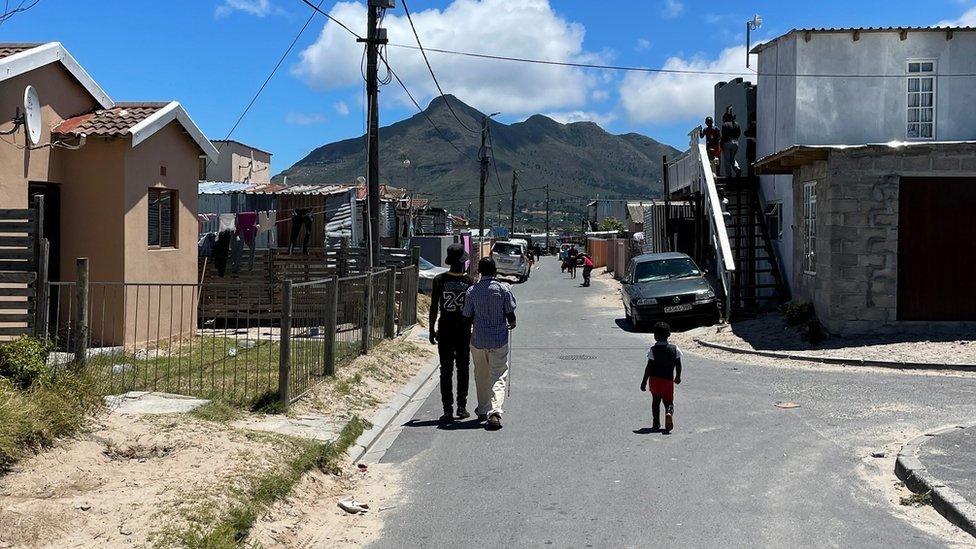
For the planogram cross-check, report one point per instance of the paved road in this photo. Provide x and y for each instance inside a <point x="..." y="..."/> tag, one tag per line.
<point x="572" y="469"/>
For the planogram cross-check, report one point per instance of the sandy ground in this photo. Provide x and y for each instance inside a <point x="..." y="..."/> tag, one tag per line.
<point x="138" y="481"/>
<point x="128" y="481"/>
<point x="769" y="333"/>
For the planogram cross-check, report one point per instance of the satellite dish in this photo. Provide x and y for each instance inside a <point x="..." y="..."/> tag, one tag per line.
<point x="32" y="115"/>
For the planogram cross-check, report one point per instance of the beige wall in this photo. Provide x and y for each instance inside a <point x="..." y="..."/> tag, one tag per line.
<point x="61" y="97"/>
<point x="234" y="161"/>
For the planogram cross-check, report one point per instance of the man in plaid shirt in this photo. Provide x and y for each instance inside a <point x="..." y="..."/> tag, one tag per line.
<point x="490" y="305"/>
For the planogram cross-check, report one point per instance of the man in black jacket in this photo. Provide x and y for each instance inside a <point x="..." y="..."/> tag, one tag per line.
<point x="730" y="144"/>
<point x="453" y="334"/>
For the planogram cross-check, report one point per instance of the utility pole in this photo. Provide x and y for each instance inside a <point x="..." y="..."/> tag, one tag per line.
<point x="547" y="218"/>
<point x="375" y="37"/>
<point x="484" y="178"/>
<point x="514" y="188"/>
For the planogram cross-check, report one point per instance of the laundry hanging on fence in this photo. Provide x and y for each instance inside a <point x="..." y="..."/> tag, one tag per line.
<point x="228" y="222"/>
<point x="247" y="226"/>
<point x="221" y="251"/>
<point x="206" y="244"/>
<point x="300" y="219"/>
<point x="267" y="221"/>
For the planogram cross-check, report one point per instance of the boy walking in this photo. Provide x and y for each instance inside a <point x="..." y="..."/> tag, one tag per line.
<point x="663" y="370"/>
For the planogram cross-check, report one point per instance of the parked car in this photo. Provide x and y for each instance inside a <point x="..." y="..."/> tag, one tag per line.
<point x="669" y="287"/>
<point x="510" y="259"/>
<point x="427" y="272"/>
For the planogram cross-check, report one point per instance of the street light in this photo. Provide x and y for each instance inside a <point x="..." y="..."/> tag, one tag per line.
<point x="751" y="25"/>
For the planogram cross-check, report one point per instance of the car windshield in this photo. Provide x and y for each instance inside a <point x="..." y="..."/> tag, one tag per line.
<point x="425" y="265"/>
<point x="503" y="248"/>
<point x="664" y="269"/>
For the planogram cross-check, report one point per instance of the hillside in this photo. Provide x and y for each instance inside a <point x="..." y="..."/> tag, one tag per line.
<point x="578" y="158"/>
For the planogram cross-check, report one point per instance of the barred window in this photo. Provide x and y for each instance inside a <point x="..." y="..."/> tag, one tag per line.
<point x="921" y="100"/>
<point x="163" y="211"/>
<point x="810" y="227"/>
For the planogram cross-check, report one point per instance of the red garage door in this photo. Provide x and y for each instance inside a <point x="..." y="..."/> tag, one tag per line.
<point x="937" y="248"/>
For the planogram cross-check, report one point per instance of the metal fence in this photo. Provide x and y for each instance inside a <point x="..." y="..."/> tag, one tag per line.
<point x="225" y="341"/>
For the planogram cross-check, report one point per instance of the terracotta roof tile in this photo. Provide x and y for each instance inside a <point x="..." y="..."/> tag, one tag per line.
<point x="115" y="121"/>
<point x="8" y="49"/>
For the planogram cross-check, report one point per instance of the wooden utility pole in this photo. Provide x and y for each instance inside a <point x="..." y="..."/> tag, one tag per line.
<point x="547" y="218"/>
<point x="514" y="188"/>
<point x="484" y="179"/>
<point x="375" y="37"/>
<point x="667" y="202"/>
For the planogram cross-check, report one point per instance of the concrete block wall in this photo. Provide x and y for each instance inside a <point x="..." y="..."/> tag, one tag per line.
<point x="855" y="287"/>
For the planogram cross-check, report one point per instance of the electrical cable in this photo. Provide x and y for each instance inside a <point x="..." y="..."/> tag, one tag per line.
<point x="420" y="46"/>
<point x="333" y="19"/>
<point x="8" y="13"/>
<point x="271" y="75"/>
<point x="427" y="116"/>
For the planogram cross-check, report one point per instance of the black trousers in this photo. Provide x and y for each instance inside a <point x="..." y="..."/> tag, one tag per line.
<point x="454" y="349"/>
<point x="586" y="275"/>
<point x="656" y="409"/>
<point x="299" y="221"/>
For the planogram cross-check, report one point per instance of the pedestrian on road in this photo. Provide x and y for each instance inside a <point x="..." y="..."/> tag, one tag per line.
<point x="490" y="305"/>
<point x="453" y="334"/>
<point x="663" y="370"/>
<point x="587" y="269"/>
<point x="572" y="257"/>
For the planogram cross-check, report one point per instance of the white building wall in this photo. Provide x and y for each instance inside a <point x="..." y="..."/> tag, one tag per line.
<point x="853" y="109"/>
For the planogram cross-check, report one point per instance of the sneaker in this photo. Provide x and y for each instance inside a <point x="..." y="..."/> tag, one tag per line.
<point x="668" y="422"/>
<point x="448" y="417"/>
<point x="482" y="418"/>
<point x="494" y="422"/>
<point x="462" y="413"/>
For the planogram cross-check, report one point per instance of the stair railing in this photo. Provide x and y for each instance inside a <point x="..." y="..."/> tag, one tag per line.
<point x="725" y="262"/>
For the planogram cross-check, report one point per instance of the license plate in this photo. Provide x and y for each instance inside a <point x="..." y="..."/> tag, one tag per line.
<point x="678" y="308"/>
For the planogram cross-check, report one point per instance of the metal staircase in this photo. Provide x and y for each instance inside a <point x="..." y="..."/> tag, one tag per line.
<point x="758" y="284"/>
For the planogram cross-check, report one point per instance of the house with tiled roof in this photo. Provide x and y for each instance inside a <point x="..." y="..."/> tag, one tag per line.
<point x="119" y="179"/>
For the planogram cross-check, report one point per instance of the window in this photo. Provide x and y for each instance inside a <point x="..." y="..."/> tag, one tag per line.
<point x="202" y="175"/>
<point x="774" y="220"/>
<point x="921" y="100"/>
<point x="163" y="208"/>
<point x="810" y="227"/>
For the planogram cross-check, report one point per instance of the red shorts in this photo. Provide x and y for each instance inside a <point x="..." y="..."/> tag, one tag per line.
<point x="664" y="388"/>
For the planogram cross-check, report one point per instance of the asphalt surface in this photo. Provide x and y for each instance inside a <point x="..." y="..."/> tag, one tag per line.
<point x="951" y="458"/>
<point x="575" y="466"/>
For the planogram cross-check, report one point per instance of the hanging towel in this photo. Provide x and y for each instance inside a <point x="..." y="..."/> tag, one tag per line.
<point x="247" y="226"/>
<point x="266" y="221"/>
<point x="227" y="222"/>
<point x="206" y="244"/>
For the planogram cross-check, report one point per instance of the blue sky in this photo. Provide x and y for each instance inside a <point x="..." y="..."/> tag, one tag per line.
<point x="212" y="55"/>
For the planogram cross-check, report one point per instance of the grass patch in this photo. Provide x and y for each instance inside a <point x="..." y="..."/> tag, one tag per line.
<point x="217" y="411"/>
<point x="265" y="490"/>
<point x="346" y="386"/>
<point x="52" y="407"/>
<point x="917" y="500"/>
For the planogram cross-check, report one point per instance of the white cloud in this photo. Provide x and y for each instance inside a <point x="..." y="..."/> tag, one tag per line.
<point x="600" y="95"/>
<point x="341" y="107"/>
<point x="567" y="117"/>
<point x="668" y="97"/>
<point x="258" y="8"/>
<point x="520" y="28"/>
<point x="967" y="19"/>
<point x="304" y="119"/>
<point x="642" y="44"/>
<point x="673" y="9"/>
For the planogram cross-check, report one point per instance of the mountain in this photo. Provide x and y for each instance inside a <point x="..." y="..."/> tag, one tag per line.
<point x="578" y="159"/>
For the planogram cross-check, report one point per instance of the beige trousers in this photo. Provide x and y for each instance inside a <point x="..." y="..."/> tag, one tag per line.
<point x="490" y="378"/>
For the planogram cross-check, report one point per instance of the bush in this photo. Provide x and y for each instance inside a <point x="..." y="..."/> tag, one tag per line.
<point x="23" y="361"/>
<point x="798" y="313"/>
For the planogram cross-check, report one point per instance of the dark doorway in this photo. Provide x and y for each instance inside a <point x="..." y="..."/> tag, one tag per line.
<point x="936" y="246"/>
<point x="52" y="222"/>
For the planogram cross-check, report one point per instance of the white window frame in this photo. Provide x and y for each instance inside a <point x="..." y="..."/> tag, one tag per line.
<point x="777" y="207"/>
<point x="810" y="227"/>
<point x="909" y="76"/>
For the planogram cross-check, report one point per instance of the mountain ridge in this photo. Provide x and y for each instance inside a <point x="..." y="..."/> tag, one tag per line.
<point x="576" y="159"/>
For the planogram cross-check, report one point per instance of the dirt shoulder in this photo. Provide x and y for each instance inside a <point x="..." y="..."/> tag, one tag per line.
<point x="147" y="480"/>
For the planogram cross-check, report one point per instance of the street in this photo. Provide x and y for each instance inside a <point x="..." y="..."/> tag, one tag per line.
<point x="575" y="466"/>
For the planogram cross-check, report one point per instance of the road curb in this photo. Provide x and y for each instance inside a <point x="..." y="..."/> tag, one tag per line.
<point x="387" y="415"/>
<point x="842" y="361"/>
<point x="955" y="508"/>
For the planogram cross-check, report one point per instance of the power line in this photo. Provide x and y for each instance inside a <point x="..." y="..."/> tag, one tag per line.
<point x="333" y="19"/>
<point x="8" y="13"/>
<point x="424" y="112"/>
<point x="491" y="151"/>
<point x="420" y="46"/>
<point x="273" y="71"/>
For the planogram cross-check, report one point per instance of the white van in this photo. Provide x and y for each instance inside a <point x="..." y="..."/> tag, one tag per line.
<point x="510" y="258"/>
